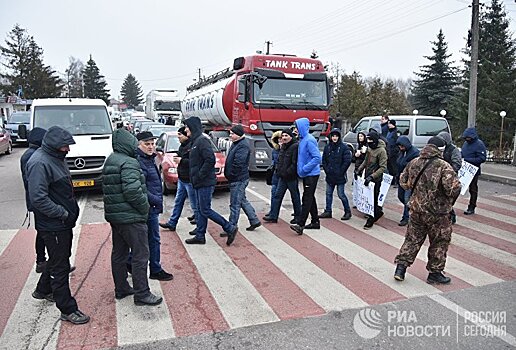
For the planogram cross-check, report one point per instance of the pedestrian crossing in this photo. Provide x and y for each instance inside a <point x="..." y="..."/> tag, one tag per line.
<point x="267" y="275"/>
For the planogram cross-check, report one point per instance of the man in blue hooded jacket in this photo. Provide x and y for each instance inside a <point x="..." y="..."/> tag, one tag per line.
<point x="308" y="169"/>
<point x="474" y="152"/>
<point x="406" y="154"/>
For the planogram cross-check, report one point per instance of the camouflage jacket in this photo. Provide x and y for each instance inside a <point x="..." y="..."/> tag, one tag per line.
<point x="437" y="188"/>
<point x="375" y="162"/>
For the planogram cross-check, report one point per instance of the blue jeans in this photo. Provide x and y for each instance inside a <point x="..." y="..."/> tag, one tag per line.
<point x="154" y="243"/>
<point x="276" y="201"/>
<point x="404" y="197"/>
<point x="184" y="190"/>
<point x="239" y="201"/>
<point x="205" y="212"/>
<point x="340" y="193"/>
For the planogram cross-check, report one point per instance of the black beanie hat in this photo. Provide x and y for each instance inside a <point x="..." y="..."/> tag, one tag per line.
<point x="392" y="121"/>
<point x="238" y="130"/>
<point x="375" y="139"/>
<point x="438" y="142"/>
<point x="288" y="131"/>
<point x="182" y="131"/>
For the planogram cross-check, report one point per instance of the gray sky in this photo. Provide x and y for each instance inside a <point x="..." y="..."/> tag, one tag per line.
<point x="162" y="43"/>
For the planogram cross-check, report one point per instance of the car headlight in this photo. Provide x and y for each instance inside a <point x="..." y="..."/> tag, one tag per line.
<point x="172" y="170"/>
<point x="260" y="154"/>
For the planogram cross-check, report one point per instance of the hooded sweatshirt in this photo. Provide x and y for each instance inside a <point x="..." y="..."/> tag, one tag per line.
<point x="125" y="192"/>
<point x="35" y="139"/>
<point x="375" y="161"/>
<point x="405" y="157"/>
<point x="451" y="153"/>
<point x="336" y="160"/>
<point x="309" y="158"/>
<point x="50" y="183"/>
<point x="202" y="157"/>
<point x="473" y="152"/>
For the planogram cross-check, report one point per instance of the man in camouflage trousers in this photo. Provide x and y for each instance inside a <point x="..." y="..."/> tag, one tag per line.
<point x="432" y="199"/>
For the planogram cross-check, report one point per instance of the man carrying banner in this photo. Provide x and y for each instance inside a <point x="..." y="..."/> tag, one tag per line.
<point x="435" y="187"/>
<point x="474" y="152"/>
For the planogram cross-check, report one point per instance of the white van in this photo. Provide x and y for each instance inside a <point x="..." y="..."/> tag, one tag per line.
<point x="89" y="123"/>
<point x="418" y="128"/>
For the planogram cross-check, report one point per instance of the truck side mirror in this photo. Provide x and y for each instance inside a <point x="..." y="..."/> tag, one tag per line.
<point x="22" y="131"/>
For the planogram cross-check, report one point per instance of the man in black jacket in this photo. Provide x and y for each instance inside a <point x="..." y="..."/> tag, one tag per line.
<point x="287" y="173"/>
<point x="236" y="171"/>
<point x="202" y="176"/>
<point x="146" y="155"/>
<point x="55" y="211"/>
<point x="35" y="138"/>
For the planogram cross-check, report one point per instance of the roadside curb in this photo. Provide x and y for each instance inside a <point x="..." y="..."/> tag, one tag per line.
<point x="498" y="178"/>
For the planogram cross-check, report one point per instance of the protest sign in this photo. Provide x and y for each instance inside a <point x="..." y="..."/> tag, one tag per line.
<point x="363" y="197"/>
<point x="466" y="174"/>
<point x="384" y="188"/>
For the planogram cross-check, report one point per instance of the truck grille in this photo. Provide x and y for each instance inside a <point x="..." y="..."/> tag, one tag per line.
<point x="82" y="163"/>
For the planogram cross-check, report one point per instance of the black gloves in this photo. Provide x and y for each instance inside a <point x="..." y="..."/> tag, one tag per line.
<point x="368" y="180"/>
<point x="70" y="220"/>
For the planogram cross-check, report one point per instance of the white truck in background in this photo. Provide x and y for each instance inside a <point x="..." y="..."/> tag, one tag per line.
<point x="163" y="103"/>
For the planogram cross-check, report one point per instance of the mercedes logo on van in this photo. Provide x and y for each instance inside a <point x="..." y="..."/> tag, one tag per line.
<point x="79" y="163"/>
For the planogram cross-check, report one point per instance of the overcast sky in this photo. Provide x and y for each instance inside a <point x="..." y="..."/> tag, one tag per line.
<point x="163" y="43"/>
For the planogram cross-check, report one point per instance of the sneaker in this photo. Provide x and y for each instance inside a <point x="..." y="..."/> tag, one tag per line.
<point x="150" y="300"/>
<point x="313" y="226"/>
<point x="167" y="226"/>
<point x="269" y="219"/>
<point x="76" y="317"/>
<point x="403" y="222"/>
<point x="293" y="221"/>
<point x="231" y="236"/>
<point x="469" y="211"/>
<point x="453" y="218"/>
<point x="191" y="218"/>
<point x="161" y="276"/>
<point x="223" y="234"/>
<point x="297" y="228"/>
<point x="195" y="241"/>
<point x="399" y="274"/>
<point x="192" y="233"/>
<point x="253" y="226"/>
<point x="369" y="223"/>
<point x="40" y="266"/>
<point x="346" y="216"/>
<point x="325" y="215"/>
<point x="122" y="295"/>
<point x="437" y="278"/>
<point x="41" y="296"/>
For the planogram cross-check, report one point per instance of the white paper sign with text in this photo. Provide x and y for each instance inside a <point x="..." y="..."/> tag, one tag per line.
<point x="466" y="174"/>
<point x="363" y="197"/>
<point x="384" y="188"/>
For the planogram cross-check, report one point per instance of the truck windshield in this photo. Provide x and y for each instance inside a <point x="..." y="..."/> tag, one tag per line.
<point x="78" y="120"/>
<point x="167" y="105"/>
<point x="288" y="92"/>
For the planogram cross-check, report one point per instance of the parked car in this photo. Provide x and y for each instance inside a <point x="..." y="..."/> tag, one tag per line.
<point x="159" y="129"/>
<point x="15" y="120"/>
<point x="141" y="125"/>
<point x="6" y="144"/>
<point x="167" y="161"/>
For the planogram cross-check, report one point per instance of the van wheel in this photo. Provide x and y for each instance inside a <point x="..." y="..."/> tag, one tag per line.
<point x="9" y="148"/>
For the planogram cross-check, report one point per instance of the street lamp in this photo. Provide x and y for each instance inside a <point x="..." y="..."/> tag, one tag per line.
<point x="442" y="113"/>
<point x="502" y="114"/>
<point x="415" y="112"/>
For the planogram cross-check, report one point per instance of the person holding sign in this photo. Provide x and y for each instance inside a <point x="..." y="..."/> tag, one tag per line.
<point x="473" y="152"/>
<point x="452" y="155"/>
<point x="435" y="187"/>
<point x="407" y="153"/>
<point x="374" y="166"/>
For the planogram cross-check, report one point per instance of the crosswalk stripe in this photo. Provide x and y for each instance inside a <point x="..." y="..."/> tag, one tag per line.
<point x="487" y="207"/>
<point x="5" y="238"/>
<point x="237" y="299"/>
<point x="486" y="238"/>
<point x="507" y="199"/>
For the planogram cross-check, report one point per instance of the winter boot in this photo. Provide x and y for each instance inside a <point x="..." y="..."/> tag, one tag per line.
<point x="437" y="278"/>
<point x="399" y="274"/>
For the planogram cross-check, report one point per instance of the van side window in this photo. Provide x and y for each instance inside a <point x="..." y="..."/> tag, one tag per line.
<point x="361" y="126"/>
<point x="430" y="127"/>
<point x="403" y="126"/>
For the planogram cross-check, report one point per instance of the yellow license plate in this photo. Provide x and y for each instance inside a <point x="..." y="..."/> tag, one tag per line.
<point x="83" y="183"/>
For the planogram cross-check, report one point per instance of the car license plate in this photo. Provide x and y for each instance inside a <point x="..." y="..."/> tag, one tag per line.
<point x="83" y="183"/>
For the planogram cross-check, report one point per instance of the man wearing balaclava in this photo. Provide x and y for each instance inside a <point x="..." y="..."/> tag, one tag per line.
<point x="474" y="152"/>
<point x="374" y="166"/>
<point x="55" y="212"/>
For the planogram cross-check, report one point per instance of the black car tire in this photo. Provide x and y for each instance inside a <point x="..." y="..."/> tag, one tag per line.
<point x="9" y="148"/>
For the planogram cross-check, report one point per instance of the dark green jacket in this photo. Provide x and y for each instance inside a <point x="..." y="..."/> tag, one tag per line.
<point x="125" y="193"/>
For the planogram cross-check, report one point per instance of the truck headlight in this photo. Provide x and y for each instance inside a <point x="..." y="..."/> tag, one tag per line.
<point x="260" y="154"/>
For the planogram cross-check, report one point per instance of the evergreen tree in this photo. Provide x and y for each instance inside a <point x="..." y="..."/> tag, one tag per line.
<point x="94" y="83"/>
<point x="74" y="78"/>
<point x="352" y="97"/>
<point x="496" y="80"/>
<point x="434" y="89"/>
<point x="27" y="76"/>
<point x="131" y="92"/>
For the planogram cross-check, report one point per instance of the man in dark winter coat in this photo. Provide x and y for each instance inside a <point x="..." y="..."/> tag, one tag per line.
<point x="406" y="154"/>
<point x="184" y="187"/>
<point x="146" y="156"/>
<point x="202" y="175"/>
<point x="35" y="138"/>
<point x="473" y="152"/>
<point x="126" y="208"/>
<point x="55" y="212"/>
<point x="236" y="171"/>
<point x="384" y="125"/>
<point x="453" y="156"/>
<point x="286" y="168"/>
<point x="392" y="151"/>
<point x="336" y="160"/>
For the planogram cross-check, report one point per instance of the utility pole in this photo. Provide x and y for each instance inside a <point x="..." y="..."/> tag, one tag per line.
<point x="199" y="71"/>
<point x="338" y="89"/>
<point x="473" y="74"/>
<point x="269" y="43"/>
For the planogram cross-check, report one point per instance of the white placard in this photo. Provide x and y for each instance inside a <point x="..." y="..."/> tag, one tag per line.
<point x="466" y="174"/>
<point x="363" y="197"/>
<point x="384" y="188"/>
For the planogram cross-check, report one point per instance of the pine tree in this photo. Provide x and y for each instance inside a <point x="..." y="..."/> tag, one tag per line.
<point x="436" y="86"/>
<point x="27" y="76"/>
<point x="352" y="97"/>
<point x="131" y="92"/>
<point x="74" y="78"/>
<point x="94" y="83"/>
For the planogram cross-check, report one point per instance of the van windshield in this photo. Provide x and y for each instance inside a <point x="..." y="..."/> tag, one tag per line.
<point x="78" y="120"/>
